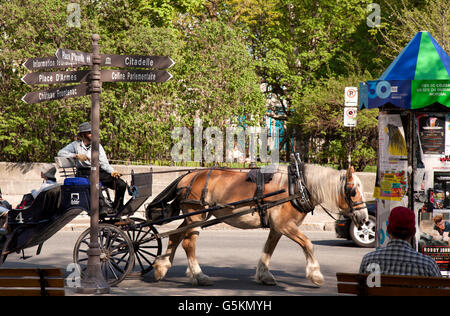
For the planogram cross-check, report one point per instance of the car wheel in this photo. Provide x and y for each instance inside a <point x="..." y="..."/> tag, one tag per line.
<point x="364" y="236"/>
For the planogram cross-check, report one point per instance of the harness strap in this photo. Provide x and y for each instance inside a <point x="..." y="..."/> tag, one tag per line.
<point x="327" y="211"/>
<point x="259" y="200"/>
<point x="297" y="183"/>
<point x="348" y="193"/>
<point x="189" y="188"/>
<point x="205" y="189"/>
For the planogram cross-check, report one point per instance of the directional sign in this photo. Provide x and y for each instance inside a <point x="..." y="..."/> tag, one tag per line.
<point x="56" y="77"/>
<point x="136" y="61"/>
<point x="135" y="75"/>
<point x="46" y="63"/>
<point x="56" y="94"/>
<point x="74" y="56"/>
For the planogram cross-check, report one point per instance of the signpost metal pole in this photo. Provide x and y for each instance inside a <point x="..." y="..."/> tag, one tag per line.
<point x="93" y="281"/>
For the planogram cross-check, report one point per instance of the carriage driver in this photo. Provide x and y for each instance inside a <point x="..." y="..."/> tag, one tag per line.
<point x="81" y="151"/>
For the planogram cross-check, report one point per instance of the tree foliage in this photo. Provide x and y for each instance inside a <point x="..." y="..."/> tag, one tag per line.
<point x="301" y="52"/>
<point x="214" y="76"/>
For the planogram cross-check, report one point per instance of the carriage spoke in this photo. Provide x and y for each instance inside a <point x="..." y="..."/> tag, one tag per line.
<point x="149" y="247"/>
<point x="146" y="233"/>
<point x="149" y="253"/>
<point x="138" y="258"/>
<point x="145" y="258"/>
<point x="111" y="268"/>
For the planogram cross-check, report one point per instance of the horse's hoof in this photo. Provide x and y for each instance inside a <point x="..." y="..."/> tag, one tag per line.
<point x="317" y="278"/>
<point x="160" y="268"/>
<point x="263" y="275"/>
<point x="201" y="279"/>
<point x="266" y="279"/>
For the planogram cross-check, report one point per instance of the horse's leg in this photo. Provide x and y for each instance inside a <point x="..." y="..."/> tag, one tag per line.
<point x="163" y="263"/>
<point x="313" y="273"/>
<point x="194" y="272"/>
<point x="263" y="274"/>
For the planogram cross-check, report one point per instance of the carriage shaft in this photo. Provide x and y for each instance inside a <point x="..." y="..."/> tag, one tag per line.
<point x="212" y="209"/>
<point x="204" y="224"/>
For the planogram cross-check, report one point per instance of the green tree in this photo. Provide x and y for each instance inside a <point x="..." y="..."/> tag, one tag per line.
<point x="403" y="19"/>
<point x="329" y="142"/>
<point x="136" y="118"/>
<point x="299" y="47"/>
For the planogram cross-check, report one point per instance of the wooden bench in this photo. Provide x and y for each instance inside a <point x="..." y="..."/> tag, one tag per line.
<point x="31" y="282"/>
<point x="393" y="285"/>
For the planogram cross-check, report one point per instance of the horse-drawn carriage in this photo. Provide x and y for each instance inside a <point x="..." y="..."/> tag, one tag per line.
<point x="129" y="243"/>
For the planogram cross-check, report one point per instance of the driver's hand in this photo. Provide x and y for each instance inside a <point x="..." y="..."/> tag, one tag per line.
<point x="81" y="157"/>
<point x="115" y="174"/>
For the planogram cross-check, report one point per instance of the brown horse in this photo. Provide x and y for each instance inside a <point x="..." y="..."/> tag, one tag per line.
<point x="336" y="189"/>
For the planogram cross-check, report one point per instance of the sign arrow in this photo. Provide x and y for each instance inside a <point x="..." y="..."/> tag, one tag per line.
<point x="136" y="75"/>
<point x="46" y="63"/>
<point x="136" y="61"/>
<point x="56" y="77"/>
<point x="74" y="57"/>
<point x="56" y="94"/>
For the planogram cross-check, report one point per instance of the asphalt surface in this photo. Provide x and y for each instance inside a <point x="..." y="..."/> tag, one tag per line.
<point x="229" y="257"/>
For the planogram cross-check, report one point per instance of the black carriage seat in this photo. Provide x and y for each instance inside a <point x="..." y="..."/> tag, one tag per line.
<point x="41" y="209"/>
<point x="48" y="214"/>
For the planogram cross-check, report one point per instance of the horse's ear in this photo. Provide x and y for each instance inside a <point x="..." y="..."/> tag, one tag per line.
<point x="350" y="172"/>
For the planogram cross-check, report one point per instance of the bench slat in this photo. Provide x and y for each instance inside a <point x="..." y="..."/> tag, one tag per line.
<point x="19" y="272"/>
<point x="27" y="281"/>
<point x="391" y="285"/>
<point x="406" y="291"/>
<point x="22" y="282"/>
<point x="348" y="288"/>
<point x="30" y="292"/>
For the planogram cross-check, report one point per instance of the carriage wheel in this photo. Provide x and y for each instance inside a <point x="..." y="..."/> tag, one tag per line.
<point x="117" y="254"/>
<point x="146" y="246"/>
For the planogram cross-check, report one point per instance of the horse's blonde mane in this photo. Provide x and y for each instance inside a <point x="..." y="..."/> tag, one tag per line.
<point x="325" y="184"/>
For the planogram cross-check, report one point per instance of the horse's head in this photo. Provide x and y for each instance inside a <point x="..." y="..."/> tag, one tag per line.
<point x="351" y="199"/>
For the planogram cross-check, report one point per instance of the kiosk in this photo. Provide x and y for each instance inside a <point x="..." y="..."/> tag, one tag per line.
<point x="413" y="97"/>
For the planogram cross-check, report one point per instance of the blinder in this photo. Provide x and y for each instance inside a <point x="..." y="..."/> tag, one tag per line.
<point x="350" y="192"/>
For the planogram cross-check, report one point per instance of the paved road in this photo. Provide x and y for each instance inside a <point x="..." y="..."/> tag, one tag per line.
<point x="229" y="257"/>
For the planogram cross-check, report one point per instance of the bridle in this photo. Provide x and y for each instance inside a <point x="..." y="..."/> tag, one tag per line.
<point x="349" y="192"/>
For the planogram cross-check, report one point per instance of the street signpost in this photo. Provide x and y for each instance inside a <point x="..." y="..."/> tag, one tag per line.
<point x="350" y="116"/>
<point x="56" y="77"/>
<point x="136" y="61"/>
<point x="351" y="96"/>
<point x="350" y="110"/>
<point x="74" y="57"/>
<point x="93" y="281"/>
<point x="46" y="63"/>
<point x="135" y="75"/>
<point x="56" y="94"/>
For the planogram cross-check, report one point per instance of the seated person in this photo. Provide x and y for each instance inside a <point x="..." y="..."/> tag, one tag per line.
<point x="4" y="209"/>
<point x="48" y="174"/>
<point x="398" y="257"/>
<point x="81" y="150"/>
